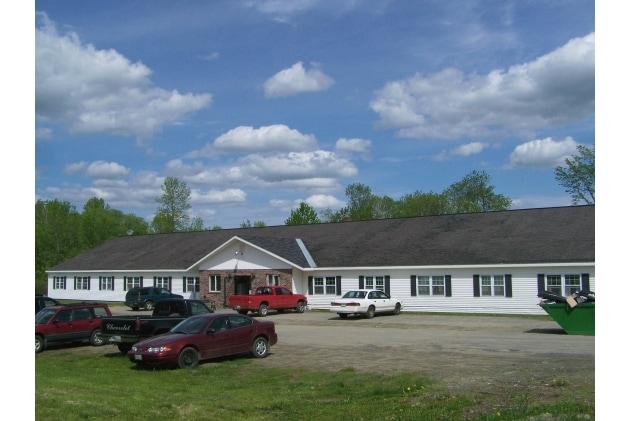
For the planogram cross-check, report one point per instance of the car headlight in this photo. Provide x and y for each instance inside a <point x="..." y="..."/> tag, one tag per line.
<point x="158" y="349"/>
<point x="134" y="348"/>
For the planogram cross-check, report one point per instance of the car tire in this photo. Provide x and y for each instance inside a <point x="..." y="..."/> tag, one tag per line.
<point x="39" y="344"/>
<point x="370" y="313"/>
<point x="95" y="338"/>
<point x="149" y="305"/>
<point x="342" y="315"/>
<point x="301" y="307"/>
<point x="124" y="348"/>
<point x="263" y="310"/>
<point x="260" y="347"/>
<point x="397" y="309"/>
<point x="189" y="358"/>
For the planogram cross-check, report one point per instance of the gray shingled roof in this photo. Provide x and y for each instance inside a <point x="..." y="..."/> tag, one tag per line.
<point x="544" y="235"/>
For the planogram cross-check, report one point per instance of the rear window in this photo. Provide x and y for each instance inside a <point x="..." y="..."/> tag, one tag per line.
<point x="100" y="312"/>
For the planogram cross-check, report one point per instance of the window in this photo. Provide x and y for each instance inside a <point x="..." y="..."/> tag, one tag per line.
<point x="431" y="285"/>
<point x="163" y="282"/>
<point x="191" y="284"/>
<point x="492" y="285"/>
<point x="330" y="285"/>
<point x="214" y="283"/>
<point x="82" y="282"/>
<point x="324" y="286"/>
<point x="318" y="286"/>
<point x="376" y="282"/>
<point x="273" y="280"/>
<point x="106" y="283"/>
<point x="563" y="284"/>
<point x="133" y="282"/>
<point x="59" y="282"/>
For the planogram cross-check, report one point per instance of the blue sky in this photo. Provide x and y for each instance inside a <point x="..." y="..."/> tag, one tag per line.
<point x="260" y="105"/>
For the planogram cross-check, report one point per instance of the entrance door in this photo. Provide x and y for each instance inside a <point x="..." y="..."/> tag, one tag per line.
<point x="242" y="285"/>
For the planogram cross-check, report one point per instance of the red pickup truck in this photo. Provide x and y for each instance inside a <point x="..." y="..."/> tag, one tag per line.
<point x="268" y="298"/>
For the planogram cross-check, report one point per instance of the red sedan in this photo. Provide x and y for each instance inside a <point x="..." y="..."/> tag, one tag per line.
<point x="203" y="337"/>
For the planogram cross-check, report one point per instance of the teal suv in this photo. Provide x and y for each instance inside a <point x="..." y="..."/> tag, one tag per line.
<point x="146" y="297"/>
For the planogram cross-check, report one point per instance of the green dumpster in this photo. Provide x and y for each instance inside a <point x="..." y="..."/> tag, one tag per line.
<point x="577" y="320"/>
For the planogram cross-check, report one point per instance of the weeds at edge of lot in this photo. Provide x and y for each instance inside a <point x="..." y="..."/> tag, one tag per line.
<point x="72" y="386"/>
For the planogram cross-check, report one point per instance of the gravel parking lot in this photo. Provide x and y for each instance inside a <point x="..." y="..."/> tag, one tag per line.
<point x="493" y="354"/>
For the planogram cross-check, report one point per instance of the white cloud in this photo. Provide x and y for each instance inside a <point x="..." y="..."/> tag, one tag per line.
<point x="74" y="167"/>
<point x="543" y="153"/>
<point x="296" y="80"/>
<point x="472" y="148"/>
<point x="352" y="145"/>
<point x="324" y="201"/>
<point x="101" y="91"/>
<point x="218" y="196"/>
<point x="102" y="169"/>
<point x="556" y="88"/>
<point x="274" y="138"/>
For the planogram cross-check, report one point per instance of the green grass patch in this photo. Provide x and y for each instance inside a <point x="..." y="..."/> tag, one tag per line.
<point x="72" y="386"/>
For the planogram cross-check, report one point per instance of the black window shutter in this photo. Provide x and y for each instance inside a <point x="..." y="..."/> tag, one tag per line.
<point x="89" y="279"/>
<point x="508" y="283"/>
<point x="447" y="285"/>
<point x="338" y="285"/>
<point x="141" y="281"/>
<point x="124" y="283"/>
<point x="154" y="281"/>
<point x="585" y="281"/>
<point x="65" y="282"/>
<point x="310" y="282"/>
<point x="169" y="284"/>
<point x="100" y="283"/>
<point x="413" y="285"/>
<point x="361" y="282"/>
<point x="541" y="283"/>
<point x="387" y="280"/>
<point x="113" y="282"/>
<point x="476" y="285"/>
<point x="197" y="284"/>
<point x="184" y="284"/>
<point x="75" y="282"/>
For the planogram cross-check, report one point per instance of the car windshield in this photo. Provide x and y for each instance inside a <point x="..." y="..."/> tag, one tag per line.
<point x="355" y="294"/>
<point x="190" y="325"/>
<point x="44" y="315"/>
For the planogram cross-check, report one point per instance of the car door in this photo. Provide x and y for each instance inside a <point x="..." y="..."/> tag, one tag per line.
<point x="60" y="329"/>
<point x="381" y="301"/>
<point x="242" y="333"/>
<point x="218" y="340"/>
<point x="81" y="323"/>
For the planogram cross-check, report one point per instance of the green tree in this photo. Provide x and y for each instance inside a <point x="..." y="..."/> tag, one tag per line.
<point x="578" y="177"/>
<point x="56" y="237"/>
<point x="256" y="224"/>
<point x="364" y="205"/>
<point x="474" y="194"/>
<point x="305" y="214"/>
<point x="422" y="204"/>
<point x="174" y="202"/>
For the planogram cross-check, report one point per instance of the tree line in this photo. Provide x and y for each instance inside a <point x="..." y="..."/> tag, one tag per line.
<point x="61" y="232"/>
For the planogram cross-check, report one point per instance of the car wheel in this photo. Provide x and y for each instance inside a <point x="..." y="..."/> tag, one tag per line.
<point x="149" y="305"/>
<point x="95" y="338"/>
<point x="301" y="307"/>
<point x="260" y="347"/>
<point x="124" y="348"/>
<point x="370" y="313"/>
<point x="189" y="358"/>
<point x="342" y="315"/>
<point x="397" y="309"/>
<point x="39" y="344"/>
<point x="263" y="310"/>
<point x="243" y="312"/>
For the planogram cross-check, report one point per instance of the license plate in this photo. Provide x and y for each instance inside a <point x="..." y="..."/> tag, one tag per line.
<point x="138" y="357"/>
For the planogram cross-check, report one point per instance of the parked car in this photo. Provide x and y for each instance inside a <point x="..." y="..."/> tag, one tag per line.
<point x="268" y="298"/>
<point x="366" y="302"/>
<point x="203" y="337"/>
<point x="69" y="323"/>
<point x="42" y="301"/>
<point x="146" y="297"/>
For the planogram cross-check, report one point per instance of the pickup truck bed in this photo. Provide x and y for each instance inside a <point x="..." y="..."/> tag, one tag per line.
<point x="124" y="331"/>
